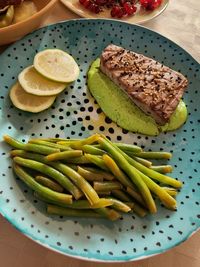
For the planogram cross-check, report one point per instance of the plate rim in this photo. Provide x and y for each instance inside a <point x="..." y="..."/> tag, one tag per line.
<point x="91" y="259"/>
<point x="67" y="252"/>
<point x="106" y="19"/>
<point x="81" y="14"/>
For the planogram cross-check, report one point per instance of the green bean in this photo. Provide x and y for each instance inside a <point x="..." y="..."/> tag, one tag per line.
<point x="128" y="164"/>
<point x="64" y="155"/>
<point x="83" y="204"/>
<point x="153" y="174"/>
<point x="55" y="210"/>
<point x="104" y="193"/>
<point x="50" y="144"/>
<point x="45" y="169"/>
<point x="171" y="191"/>
<point x="80" y="143"/>
<point x="78" y="204"/>
<point x="93" y="150"/>
<point x="119" y="175"/>
<point x="162" y="168"/>
<point x="144" y="162"/>
<point x="103" y="186"/>
<point x="72" y="166"/>
<point x="60" y="172"/>
<point x="106" y="175"/>
<point x="79" y="181"/>
<point x="130" y="171"/>
<point x="121" y="195"/>
<point x="140" y="211"/>
<point x="119" y="205"/>
<point x="67" y="142"/>
<point x="165" y="198"/>
<point x="40" y="149"/>
<point x="122" y="146"/>
<point x="127" y="148"/>
<point x="49" y="183"/>
<point x="130" y="204"/>
<point x="52" y="140"/>
<point x="78" y="160"/>
<point x="136" y="196"/>
<point x="154" y="155"/>
<point x="42" y="190"/>
<point x="108" y="213"/>
<point x="147" y="171"/>
<point x="88" y="175"/>
<point x="97" y="160"/>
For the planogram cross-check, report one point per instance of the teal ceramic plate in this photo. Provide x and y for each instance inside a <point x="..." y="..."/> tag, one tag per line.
<point x="75" y="114"/>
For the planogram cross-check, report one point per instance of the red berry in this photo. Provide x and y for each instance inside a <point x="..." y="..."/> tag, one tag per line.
<point x="145" y="3"/>
<point x="100" y="2"/>
<point x="127" y="8"/>
<point x="119" y="8"/>
<point x="97" y="9"/>
<point x="92" y="7"/>
<point x="122" y="2"/>
<point x="134" y="8"/>
<point x="120" y="13"/>
<point x="114" y="11"/>
<point x="150" y="4"/>
<point x="110" y="3"/>
<point x="87" y="3"/>
<point x="155" y="4"/>
<point x="117" y="11"/>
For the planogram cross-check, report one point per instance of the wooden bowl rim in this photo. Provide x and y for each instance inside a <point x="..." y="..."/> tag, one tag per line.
<point x="37" y="14"/>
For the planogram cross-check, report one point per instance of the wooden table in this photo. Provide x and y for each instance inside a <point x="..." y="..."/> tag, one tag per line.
<point x="180" y="23"/>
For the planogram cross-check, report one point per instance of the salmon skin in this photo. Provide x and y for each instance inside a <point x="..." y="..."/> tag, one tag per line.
<point x="154" y="88"/>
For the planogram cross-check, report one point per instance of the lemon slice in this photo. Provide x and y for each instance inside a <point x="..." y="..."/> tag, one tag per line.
<point x="36" y="84"/>
<point x="28" y="102"/>
<point x="56" y="65"/>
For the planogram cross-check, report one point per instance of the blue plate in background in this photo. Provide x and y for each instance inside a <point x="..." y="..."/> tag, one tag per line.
<point x="75" y="114"/>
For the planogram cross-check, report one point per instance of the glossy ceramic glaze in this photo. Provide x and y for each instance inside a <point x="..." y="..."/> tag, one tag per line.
<point x="75" y="114"/>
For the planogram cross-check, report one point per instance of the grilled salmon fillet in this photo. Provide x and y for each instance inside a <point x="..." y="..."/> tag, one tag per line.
<point x="154" y="88"/>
